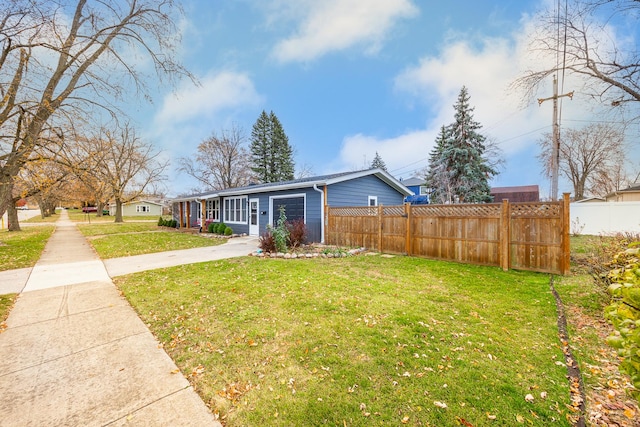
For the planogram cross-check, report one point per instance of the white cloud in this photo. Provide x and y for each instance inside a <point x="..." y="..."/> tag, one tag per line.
<point x="334" y="25"/>
<point x="216" y="92"/>
<point x="487" y="67"/>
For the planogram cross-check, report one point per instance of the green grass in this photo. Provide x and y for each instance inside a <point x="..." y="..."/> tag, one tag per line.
<point x="137" y="243"/>
<point x="38" y="218"/>
<point x="119" y="228"/>
<point x="77" y="215"/>
<point x="6" y="302"/>
<point x="20" y="249"/>
<point x="359" y="341"/>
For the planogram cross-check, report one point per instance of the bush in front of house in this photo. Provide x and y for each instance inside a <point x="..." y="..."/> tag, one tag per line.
<point x="266" y="242"/>
<point x="160" y="222"/>
<point x="297" y="233"/>
<point x="211" y="227"/>
<point x="228" y="231"/>
<point x="221" y="228"/>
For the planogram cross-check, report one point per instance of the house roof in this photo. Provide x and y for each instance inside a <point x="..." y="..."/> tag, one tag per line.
<point x="414" y="180"/>
<point x="150" y="202"/>
<point x="632" y="189"/>
<point x="303" y="183"/>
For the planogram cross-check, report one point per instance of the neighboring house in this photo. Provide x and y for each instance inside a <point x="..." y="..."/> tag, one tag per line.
<point x="631" y="194"/>
<point x="138" y="208"/>
<point x="417" y="185"/>
<point x="591" y="200"/>
<point x="250" y="209"/>
<point x="517" y="194"/>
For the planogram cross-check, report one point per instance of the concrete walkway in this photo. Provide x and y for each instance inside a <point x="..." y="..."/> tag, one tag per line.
<point x="75" y="352"/>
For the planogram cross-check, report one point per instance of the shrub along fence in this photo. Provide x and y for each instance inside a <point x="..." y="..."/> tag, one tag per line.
<point x="521" y="236"/>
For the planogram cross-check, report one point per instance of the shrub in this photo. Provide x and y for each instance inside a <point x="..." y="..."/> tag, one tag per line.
<point x="160" y="222"/>
<point x="173" y="223"/>
<point x="221" y="227"/>
<point x="297" y="232"/>
<point x="228" y="231"/>
<point x="211" y="227"/>
<point x="280" y="232"/>
<point x="266" y="242"/>
<point x="624" y="311"/>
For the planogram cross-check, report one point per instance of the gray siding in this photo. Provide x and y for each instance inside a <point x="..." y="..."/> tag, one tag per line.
<point x="356" y="192"/>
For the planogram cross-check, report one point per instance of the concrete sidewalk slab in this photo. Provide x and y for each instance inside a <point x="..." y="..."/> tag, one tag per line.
<point x="13" y="281"/>
<point x="78" y="354"/>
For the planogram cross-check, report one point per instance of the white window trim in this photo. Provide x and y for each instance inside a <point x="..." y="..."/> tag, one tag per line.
<point x="272" y="220"/>
<point x="375" y="201"/>
<point x="243" y="208"/>
<point x="213" y="210"/>
<point x="143" y="209"/>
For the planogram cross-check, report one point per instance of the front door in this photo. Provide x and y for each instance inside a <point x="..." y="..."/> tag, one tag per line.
<point x="254" y="214"/>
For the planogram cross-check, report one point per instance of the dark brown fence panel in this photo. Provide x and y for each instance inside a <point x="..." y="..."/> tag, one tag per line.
<point x="525" y="236"/>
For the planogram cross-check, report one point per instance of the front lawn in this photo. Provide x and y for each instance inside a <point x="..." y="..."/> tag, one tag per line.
<point x="363" y="340"/>
<point x="127" y="239"/>
<point x="20" y="249"/>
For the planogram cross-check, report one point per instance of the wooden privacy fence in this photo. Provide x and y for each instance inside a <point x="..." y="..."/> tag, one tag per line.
<point x="522" y="236"/>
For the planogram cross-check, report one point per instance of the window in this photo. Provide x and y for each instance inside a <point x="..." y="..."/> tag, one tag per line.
<point x="235" y="209"/>
<point x="373" y="201"/>
<point x="143" y="208"/>
<point x="424" y="189"/>
<point x="213" y="209"/>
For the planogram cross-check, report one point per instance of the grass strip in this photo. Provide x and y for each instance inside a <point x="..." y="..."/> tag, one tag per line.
<point x="21" y="249"/>
<point x="364" y="340"/>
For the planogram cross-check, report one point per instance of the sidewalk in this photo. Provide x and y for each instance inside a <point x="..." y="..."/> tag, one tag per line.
<point x="76" y="353"/>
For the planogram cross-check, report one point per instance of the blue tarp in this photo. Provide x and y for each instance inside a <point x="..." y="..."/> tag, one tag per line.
<point x="420" y="199"/>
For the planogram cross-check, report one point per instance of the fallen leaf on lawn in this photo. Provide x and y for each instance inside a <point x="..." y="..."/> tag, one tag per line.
<point x="629" y="413"/>
<point x="529" y="398"/>
<point x="175" y="371"/>
<point x="440" y="404"/>
<point x="543" y="395"/>
<point x="490" y="416"/>
<point x="464" y="422"/>
<point x="405" y="420"/>
<point x="520" y="418"/>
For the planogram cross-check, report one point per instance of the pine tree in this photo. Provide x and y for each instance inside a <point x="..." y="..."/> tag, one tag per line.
<point x="378" y="163"/>
<point x="271" y="154"/>
<point x="261" y="148"/>
<point x="458" y="169"/>
<point x="438" y="179"/>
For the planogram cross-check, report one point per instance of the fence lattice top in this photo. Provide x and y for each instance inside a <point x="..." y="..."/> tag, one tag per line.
<point x="538" y="210"/>
<point x="484" y="210"/>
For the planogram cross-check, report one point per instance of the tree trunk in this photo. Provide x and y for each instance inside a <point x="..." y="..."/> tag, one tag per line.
<point x="100" y="207"/>
<point x="118" y="210"/>
<point x="12" y="216"/>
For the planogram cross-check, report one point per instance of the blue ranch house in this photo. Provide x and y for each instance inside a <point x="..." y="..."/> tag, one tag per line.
<point x="250" y="209"/>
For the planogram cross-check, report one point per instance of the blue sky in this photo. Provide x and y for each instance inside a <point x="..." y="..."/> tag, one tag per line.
<point x="348" y="78"/>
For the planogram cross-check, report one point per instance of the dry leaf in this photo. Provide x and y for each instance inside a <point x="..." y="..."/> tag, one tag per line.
<point x="629" y="413"/>
<point x="491" y="417"/>
<point x="440" y="404"/>
<point x="520" y="418"/>
<point x="529" y="398"/>
<point x="175" y="371"/>
<point x="405" y="419"/>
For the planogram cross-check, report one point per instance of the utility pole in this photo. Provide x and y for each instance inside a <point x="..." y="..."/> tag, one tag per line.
<point x="555" y="153"/>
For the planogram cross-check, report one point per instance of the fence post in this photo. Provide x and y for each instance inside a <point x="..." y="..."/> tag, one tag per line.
<point x="565" y="266"/>
<point x="380" y="228"/>
<point x="505" y="235"/>
<point x="407" y="243"/>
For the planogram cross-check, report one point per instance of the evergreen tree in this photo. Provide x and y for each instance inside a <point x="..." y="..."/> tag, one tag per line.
<point x="378" y="163"/>
<point x="438" y="179"/>
<point x="271" y="154"/>
<point x="458" y="168"/>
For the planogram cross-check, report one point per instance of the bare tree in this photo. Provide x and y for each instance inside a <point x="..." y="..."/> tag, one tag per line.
<point x="579" y="40"/>
<point x="57" y="57"/>
<point x="222" y="161"/>
<point x="591" y="158"/>
<point x="128" y="166"/>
